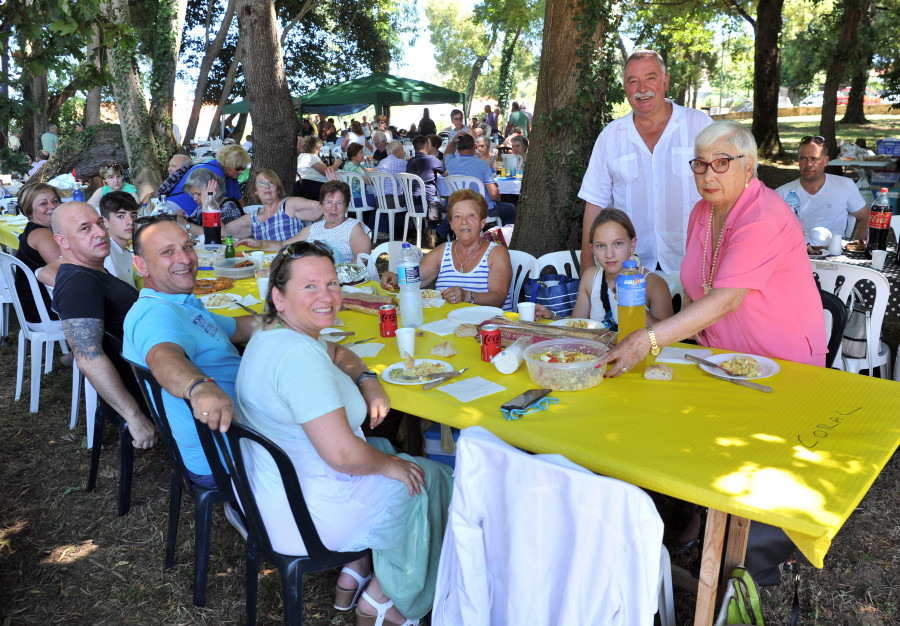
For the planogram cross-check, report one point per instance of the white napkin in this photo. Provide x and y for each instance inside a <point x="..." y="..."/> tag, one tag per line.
<point x="471" y="389"/>
<point x="352" y="289"/>
<point x="676" y="355"/>
<point x="363" y="350"/>
<point x="433" y="303"/>
<point x="248" y="300"/>
<point x="440" y="327"/>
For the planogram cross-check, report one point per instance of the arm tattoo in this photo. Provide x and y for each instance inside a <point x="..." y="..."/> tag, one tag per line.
<point x="85" y="336"/>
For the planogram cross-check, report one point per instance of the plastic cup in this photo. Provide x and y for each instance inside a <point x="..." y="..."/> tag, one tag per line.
<point x="406" y="342"/>
<point x="259" y="258"/>
<point x="526" y="311"/>
<point x="835" y="246"/>
<point x="878" y="259"/>
<point x="263" y="285"/>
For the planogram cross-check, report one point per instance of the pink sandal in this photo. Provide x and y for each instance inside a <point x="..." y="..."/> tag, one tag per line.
<point x="346" y="599"/>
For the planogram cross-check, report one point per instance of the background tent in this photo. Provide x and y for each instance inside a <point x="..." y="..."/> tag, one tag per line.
<point x="379" y="90"/>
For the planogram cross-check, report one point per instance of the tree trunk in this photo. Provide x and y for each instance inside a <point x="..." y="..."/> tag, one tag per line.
<point x="212" y="51"/>
<point x="855" y="113"/>
<point x="92" y="102"/>
<point x="4" y="84"/>
<point x="238" y="132"/>
<point x="275" y="124"/>
<point x="766" y="78"/>
<point x="39" y="101"/>
<point x="573" y="104"/>
<point x="140" y="144"/>
<point x="850" y="24"/>
<point x="214" y="128"/>
<point x="476" y="70"/>
<point x="507" y="69"/>
<point x="166" y="45"/>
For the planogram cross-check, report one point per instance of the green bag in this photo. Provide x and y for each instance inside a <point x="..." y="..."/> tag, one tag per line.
<point x="741" y="602"/>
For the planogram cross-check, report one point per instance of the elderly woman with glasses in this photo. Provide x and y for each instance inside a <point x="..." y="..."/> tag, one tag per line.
<point x="230" y="162"/>
<point x="279" y="218"/>
<point x="346" y="236"/>
<point x="200" y="183"/>
<point x="114" y="177"/>
<point x="745" y="265"/>
<point x="360" y="492"/>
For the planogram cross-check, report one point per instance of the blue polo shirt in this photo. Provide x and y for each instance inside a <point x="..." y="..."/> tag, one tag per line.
<point x="205" y="338"/>
<point x="471" y="165"/>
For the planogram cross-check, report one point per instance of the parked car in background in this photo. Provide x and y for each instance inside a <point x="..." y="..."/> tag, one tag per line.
<point x="887" y="98"/>
<point x="813" y="100"/>
<point x="870" y="97"/>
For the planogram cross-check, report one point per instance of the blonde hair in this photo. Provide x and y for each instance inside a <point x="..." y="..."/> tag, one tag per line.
<point x="233" y="157"/>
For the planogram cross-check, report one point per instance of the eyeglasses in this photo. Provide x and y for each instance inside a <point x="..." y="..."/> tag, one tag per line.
<point x="265" y="183"/>
<point x="300" y="249"/>
<point x="719" y="166"/>
<point x="819" y="140"/>
<point x="456" y="119"/>
<point x="331" y="203"/>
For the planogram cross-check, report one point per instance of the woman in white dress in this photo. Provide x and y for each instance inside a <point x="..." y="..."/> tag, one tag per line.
<point x="360" y="493"/>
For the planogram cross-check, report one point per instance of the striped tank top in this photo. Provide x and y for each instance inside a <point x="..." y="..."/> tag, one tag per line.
<point x="475" y="280"/>
<point x="279" y="227"/>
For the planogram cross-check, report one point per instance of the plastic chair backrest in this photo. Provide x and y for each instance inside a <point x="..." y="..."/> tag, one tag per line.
<point x="457" y="182"/>
<point x="408" y="183"/>
<point x="357" y="205"/>
<point x="378" y="184"/>
<point x="524" y="266"/>
<point x="829" y="273"/>
<point x="390" y="248"/>
<point x="563" y="262"/>
<point x="235" y="437"/>
<point x="835" y="322"/>
<point x="8" y="266"/>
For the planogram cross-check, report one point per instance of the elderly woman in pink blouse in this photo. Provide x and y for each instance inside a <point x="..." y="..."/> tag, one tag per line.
<point x="745" y="268"/>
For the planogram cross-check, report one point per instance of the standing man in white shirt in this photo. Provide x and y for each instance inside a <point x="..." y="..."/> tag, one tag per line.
<point x="640" y="165"/>
<point x="825" y="199"/>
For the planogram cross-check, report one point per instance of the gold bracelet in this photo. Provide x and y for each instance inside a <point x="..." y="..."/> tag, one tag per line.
<point x="193" y="382"/>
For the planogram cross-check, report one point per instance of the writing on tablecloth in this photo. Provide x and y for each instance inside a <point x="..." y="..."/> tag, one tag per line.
<point x="823" y="430"/>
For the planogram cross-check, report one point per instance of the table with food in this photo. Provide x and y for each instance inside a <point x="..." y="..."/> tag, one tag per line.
<point x="797" y="450"/>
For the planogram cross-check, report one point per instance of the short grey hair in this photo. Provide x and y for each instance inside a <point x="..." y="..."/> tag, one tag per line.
<point x="392" y="146"/>
<point x="380" y="136"/>
<point x="199" y="176"/>
<point x="644" y="53"/>
<point x="732" y="132"/>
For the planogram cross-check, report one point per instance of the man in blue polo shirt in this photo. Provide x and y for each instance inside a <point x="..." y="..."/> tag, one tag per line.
<point x="189" y="350"/>
<point x="465" y="163"/>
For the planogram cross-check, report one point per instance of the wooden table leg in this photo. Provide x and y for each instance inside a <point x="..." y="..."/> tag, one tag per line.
<point x="735" y="546"/>
<point x="713" y="542"/>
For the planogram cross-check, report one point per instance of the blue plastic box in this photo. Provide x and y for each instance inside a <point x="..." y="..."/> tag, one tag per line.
<point x="433" y="446"/>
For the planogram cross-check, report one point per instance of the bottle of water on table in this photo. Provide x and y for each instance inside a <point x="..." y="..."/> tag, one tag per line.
<point x="410" y="287"/>
<point x="793" y="201"/>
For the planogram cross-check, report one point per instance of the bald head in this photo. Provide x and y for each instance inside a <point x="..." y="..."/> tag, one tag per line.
<point x="177" y="162"/>
<point x="81" y="234"/>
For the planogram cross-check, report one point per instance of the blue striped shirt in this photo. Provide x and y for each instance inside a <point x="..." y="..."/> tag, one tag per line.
<point x="475" y="280"/>
<point x="279" y="227"/>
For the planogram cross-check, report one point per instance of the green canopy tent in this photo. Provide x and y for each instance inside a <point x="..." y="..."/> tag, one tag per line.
<point x="379" y="90"/>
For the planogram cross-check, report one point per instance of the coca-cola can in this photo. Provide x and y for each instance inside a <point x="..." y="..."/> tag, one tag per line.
<point x="490" y="342"/>
<point x="387" y="320"/>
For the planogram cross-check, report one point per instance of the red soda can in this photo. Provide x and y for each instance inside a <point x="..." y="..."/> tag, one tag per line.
<point x="490" y="342"/>
<point x="387" y="320"/>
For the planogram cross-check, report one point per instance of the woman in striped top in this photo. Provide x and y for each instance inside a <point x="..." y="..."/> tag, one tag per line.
<point x="279" y="218"/>
<point x="469" y="269"/>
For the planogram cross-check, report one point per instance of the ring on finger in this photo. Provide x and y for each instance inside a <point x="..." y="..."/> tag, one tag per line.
<point x="624" y="369"/>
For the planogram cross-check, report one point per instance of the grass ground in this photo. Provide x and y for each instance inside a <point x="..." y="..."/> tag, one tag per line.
<point x="66" y="558"/>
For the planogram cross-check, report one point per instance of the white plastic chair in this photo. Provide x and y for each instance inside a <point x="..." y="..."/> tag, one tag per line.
<point x="42" y="335"/>
<point x="357" y="205"/>
<point x="415" y="214"/>
<point x="524" y="266"/>
<point x="390" y="248"/>
<point x="540" y="540"/>
<point x="378" y="183"/>
<point x="252" y="208"/>
<point x="90" y="402"/>
<point x="457" y="182"/>
<point x="878" y="354"/>
<point x="6" y="300"/>
<point x="563" y="262"/>
<point x="676" y="290"/>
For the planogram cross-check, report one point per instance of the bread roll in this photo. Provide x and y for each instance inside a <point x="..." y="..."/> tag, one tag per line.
<point x="658" y="371"/>
<point x="443" y="349"/>
<point x="466" y="330"/>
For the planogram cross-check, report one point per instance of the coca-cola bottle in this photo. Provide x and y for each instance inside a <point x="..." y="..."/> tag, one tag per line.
<point x="212" y="220"/>
<point x="879" y="223"/>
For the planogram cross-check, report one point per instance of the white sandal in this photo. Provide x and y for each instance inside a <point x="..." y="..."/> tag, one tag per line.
<point x="346" y="599"/>
<point x="379" y="620"/>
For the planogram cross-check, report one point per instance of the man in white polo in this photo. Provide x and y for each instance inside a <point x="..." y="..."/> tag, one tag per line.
<point x="640" y="166"/>
<point x="825" y="199"/>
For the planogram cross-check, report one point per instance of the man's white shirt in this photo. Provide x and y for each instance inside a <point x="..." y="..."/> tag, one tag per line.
<point x="118" y="263"/>
<point x="828" y="207"/>
<point x="656" y="189"/>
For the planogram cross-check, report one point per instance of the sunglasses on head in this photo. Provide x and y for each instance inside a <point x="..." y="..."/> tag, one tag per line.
<point x="300" y="249"/>
<point x="154" y="219"/>
<point x="819" y="140"/>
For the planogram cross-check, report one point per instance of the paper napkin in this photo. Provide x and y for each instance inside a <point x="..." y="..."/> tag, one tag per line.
<point x="471" y="389"/>
<point x="363" y="350"/>
<point x="440" y="327"/>
<point x="676" y="355"/>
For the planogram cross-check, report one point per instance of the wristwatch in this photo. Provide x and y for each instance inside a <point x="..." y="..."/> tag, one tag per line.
<point x="365" y="375"/>
<point x="654" y="347"/>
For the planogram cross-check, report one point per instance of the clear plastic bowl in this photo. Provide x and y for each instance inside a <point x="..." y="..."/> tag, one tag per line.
<point x="208" y="254"/>
<point x="574" y="376"/>
<point x="225" y="268"/>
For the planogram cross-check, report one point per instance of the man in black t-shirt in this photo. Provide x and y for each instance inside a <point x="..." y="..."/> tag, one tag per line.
<point x="90" y="301"/>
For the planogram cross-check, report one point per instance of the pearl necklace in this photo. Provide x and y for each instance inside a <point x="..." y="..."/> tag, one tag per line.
<point x="707" y="280"/>
<point x="462" y="264"/>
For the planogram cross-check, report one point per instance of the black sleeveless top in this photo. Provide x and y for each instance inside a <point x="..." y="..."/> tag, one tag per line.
<point x="33" y="259"/>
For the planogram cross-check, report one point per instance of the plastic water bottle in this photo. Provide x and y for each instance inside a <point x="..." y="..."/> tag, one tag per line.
<point x="631" y="294"/>
<point x="793" y="201"/>
<point x="78" y="193"/>
<point x="410" y="287"/>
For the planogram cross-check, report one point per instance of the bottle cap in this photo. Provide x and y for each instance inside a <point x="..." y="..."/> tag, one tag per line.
<point x="629" y="263"/>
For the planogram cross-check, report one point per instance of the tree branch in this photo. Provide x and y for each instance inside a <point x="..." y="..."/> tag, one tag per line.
<point x="308" y="5"/>
<point x="733" y="4"/>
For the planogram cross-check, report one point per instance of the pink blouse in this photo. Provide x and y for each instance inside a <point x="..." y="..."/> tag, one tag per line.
<point x="763" y="250"/>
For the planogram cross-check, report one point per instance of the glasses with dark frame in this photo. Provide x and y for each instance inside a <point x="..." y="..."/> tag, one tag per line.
<point x="719" y="166"/>
<point x="146" y="220"/>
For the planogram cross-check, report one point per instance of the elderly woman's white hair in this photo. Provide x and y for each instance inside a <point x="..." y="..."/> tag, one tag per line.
<point x="732" y="132"/>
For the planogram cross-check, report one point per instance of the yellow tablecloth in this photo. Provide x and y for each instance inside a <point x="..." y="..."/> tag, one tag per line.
<point x="800" y="458"/>
<point x="10" y="229"/>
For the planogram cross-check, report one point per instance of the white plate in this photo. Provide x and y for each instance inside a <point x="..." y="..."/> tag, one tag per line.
<point x="234" y="298"/>
<point x="591" y="324"/>
<point x="767" y="367"/>
<point x="384" y="374"/>
<point x="474" y="314"/>
<point x="324" y="334"/>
